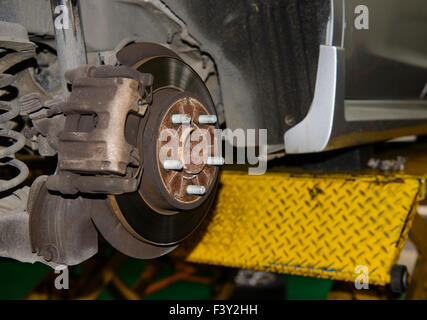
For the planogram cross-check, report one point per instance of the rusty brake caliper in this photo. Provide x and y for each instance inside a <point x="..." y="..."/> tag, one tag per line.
<point x="94" y="158"/>
<point x="93" y="154"/>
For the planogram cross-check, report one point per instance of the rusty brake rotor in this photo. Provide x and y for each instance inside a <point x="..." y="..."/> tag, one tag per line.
<point x="171" y="201"/>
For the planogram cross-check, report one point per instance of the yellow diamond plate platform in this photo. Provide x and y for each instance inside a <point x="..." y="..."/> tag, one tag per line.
<point x="321" y="226"/>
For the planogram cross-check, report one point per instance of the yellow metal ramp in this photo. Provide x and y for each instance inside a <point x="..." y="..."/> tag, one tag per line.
<point x="312" y="225"/>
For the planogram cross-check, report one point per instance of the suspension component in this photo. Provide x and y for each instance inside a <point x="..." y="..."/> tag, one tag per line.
<point x="12" y="110"/>
<point x="15" y="48"/>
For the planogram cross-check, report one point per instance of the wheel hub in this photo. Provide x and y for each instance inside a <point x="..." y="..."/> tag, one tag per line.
<point x="188" y="145"/>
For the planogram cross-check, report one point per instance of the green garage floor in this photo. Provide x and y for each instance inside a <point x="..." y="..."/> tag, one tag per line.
<point x="17" y="279"/>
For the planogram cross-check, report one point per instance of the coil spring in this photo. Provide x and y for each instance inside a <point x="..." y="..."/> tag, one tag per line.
<point x="12" y="110"/>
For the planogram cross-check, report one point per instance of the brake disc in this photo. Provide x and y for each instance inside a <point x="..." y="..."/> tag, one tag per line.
<point x="162" y="212"/>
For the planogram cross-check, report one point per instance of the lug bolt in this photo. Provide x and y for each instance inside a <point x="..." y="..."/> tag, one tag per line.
<point x="180" y="118"/>
<point x="172" y="165"/>
<point x="207" y="119"/>
<point x="196" y="190"/>
<point x="215" y="161"/>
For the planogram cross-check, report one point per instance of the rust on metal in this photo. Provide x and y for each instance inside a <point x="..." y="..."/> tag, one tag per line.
<point x="189" y="136"/>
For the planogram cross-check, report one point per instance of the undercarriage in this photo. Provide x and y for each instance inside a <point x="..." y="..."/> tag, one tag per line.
<point x="117" y="117"/>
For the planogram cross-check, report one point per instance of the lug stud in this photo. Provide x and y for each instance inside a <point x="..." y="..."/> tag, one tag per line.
<point x="196" y="190"/>
<point x="207" y="119"/>
<point x="172" y="165"/>
<point x="215" y="161"/>
<point x="180" y="118"/>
